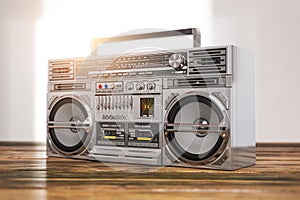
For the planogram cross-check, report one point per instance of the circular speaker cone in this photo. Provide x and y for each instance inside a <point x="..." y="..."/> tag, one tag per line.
<point x="69" y="139"/>
<point x="191" y="142"/>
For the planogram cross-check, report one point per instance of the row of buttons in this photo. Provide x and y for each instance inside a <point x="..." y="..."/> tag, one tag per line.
<point x="132" y="58"/>
<point x="140" y="144"/>
<point x="109" y="86"/>
<point x="131" y="65"/>
<point x="114" y="102"/>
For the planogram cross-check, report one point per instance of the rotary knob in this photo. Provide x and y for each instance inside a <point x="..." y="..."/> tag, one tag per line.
<point x="140" y="86"/>
<point x="151" y="85"/>
<point x="112" y="86"/>
<point x="177" y="61"/>
<point x="129" y="86"/>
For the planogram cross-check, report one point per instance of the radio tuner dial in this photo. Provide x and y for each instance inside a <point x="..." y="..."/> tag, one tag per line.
<point x="177" y="61"/>
<point x="140" y="86"/>
<point x="151" y="85"/>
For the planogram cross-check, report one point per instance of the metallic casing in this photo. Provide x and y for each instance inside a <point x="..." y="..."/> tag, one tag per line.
<point x="235" y="97"/>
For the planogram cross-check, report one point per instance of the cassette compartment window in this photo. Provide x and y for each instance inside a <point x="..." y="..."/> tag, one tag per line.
<point x="147" y="107"/>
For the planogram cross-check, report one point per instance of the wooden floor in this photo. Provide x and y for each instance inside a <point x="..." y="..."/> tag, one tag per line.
<point x="26" y="173"/>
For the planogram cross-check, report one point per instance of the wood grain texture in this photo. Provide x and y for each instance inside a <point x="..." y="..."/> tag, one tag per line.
<point x="26" y="173"/>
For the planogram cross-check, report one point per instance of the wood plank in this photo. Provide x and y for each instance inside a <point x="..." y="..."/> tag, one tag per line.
<point x="26" y="172"/>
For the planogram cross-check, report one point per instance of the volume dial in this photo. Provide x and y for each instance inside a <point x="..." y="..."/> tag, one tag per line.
<point x="177" y="61"/>
<point x="129" y="86"/>
<point x="151" y="85"/>
<point x="140" y="86"/>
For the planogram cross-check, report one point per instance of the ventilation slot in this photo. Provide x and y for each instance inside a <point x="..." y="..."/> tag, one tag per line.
<point x="210" y="52"/>
<point x="207" y="61"/>
<point x="70" y="86"/>
<point x="140" y="157"/>
<point x="193" y="82"/>
<point x="61" y="70"/>
<point x="104" y="154"/>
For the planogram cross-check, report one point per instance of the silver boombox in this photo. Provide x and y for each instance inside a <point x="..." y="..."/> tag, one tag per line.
<point x="189" y="107"/>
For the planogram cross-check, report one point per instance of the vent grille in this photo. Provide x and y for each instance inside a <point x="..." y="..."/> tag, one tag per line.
<point x="69" y="86"/>
<point x="61" y="70"/>
<point x="195" y="82"/>
<point x="207" y="61"/>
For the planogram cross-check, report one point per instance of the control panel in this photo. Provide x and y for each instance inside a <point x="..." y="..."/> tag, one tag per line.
<point x="109" y="86"/>
<point x="114" y="102"/>
<point x="142" y="86"/>
<point x="128" y="134"/>
<point x="143" y="135"/>
<point x="111" y="134"/>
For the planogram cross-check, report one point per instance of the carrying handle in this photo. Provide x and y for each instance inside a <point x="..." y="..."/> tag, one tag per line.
<point x="190" y="31"/>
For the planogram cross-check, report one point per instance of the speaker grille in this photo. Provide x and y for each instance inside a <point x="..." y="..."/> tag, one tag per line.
<point x="196" y="82"/>
<point x="67" y="126"/>
<point x="192" y="129"/>
<point x="207" y="61"/>
<point x="61" y="70"/>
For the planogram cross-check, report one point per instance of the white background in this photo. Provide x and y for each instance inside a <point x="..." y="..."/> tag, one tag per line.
<point x="33" y="31"/>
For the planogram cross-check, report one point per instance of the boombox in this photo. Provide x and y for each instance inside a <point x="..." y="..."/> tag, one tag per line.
<point x="191" y="107"/>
